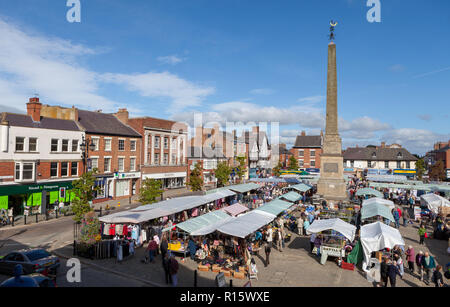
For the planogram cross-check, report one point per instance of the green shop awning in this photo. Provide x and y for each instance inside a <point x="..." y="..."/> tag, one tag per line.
<point x="34" y="188"/>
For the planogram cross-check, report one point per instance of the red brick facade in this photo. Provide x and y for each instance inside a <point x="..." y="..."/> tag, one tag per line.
<point x="307" y="157"/>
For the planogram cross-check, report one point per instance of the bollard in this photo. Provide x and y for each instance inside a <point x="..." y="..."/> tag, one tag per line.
<point x="231" y="283"/>
<point x="100" y="211"/>
<point x="24" y="219"/>
<point x="12" y="221"/>
<point x="195" y="279"/>
<point x="56" y="212"/>
<point x="74" y="247"/>
<point x="37" y="219"/>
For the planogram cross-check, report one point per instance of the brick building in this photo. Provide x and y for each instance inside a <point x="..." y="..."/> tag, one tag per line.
<point x="440" y="152"/>
<point x="164" y="150"/>
<point x="117" y="151"/>
<point x="307" y="150"/>
<point x="39" y="156"/>
<point x="208" y="159"/>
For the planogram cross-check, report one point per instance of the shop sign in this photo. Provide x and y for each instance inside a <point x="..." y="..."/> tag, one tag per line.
<point x="332" y="251"/>
<point x="313" y="170"/>
<point x="34" y="188"/>
<point x="404" y="171"/>
<point x="448" y="174"/>
<point x="349" y="169"/>
<point x="127" y="175"/>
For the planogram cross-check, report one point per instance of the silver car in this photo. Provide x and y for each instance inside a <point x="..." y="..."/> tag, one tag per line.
<point x="32" y="261"/>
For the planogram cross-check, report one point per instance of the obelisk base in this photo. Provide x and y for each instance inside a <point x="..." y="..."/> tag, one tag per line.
<point x="331" y="185"/>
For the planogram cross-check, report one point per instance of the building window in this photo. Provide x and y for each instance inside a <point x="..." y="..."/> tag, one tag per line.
<point x="352" y="163"/>
<point x="132" y="164"/>
<point x="156" y="145"/>
<point x="74" y="169"/>
<point x="74" y="145"/>
<point x="64" y="169"/>
<point x="133" y="145"/>
<point x="121" y="145"/>
<point x="121" y="164"/>
<point x="94" y="163"/>
<point x="313" y="163"/>
<point x="386" y="164"/>
<point x="166" y="143"/>
<point x="107" y="144"/>
<point x="174" y="159"/>
<point x="96" y="142"/>
<point x="17" y="171"/>
<point x="32" y="144"/>
<point x="313" y="153"/>
<point x="301" y="153"/>
<point x="28" y="171"/>
<point x="65" y="145"/>
<point x="166" y="159"/>
<point x="374" y="155"/>
<point x="408" y="165"/>
<point x="54" y="169"/>
<point x="156" y="158"/>
<point x="399" y="155"/>
<point x="54" y="145"/>
<point x="107" y="165"/>
<point x="20" y="143"/>
<point x="301" y="163"/>
<point x="399" y="164"/>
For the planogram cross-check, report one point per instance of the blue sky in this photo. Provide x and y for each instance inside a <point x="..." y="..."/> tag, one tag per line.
<point x="238" y="61"/>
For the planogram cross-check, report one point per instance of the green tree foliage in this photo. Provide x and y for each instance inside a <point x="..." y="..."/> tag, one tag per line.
<point x="420" y="168"/>
<point x="293" y="163"/>
<point x="277" y="169"/>
<point x="196" y="178"/>
<point x="90" y="230"/>
<point x="438" y="171"/>
<point x="151" y="189"/>
<point x="84" y="190"/>
<point x="242" y="168"/>
<point x="222" y="173"/>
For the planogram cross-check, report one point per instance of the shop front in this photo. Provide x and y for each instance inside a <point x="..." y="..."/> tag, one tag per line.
<point x="126" y="184"/>
<point x="169" y="180"/>
<point x="24" y="197"/>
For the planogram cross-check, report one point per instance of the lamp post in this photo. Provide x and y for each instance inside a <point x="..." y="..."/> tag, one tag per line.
<point x="85" y="146"/>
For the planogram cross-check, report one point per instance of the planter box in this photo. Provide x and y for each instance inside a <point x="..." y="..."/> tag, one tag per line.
<point x="203" y="268"/>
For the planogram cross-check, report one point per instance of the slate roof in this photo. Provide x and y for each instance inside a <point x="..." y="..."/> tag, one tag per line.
<point x="308" y="141"/>
<point x="382" y="154"/>
<point x="104" y="123"/>
<point x="22" y="120"/>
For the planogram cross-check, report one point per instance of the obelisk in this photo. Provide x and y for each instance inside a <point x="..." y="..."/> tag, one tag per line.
<point x="331" y="185"/>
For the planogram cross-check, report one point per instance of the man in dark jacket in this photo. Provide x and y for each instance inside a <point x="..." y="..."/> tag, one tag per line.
<point x="384" y="268"/>
<point x="165" y="264"/>
<point x="164" y="246"/>
<point x="267" y="249"/>
<point x="393" y="271"/>
<point x="173" y="270"/>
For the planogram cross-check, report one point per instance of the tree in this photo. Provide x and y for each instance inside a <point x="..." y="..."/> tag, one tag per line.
<point x="420" y="168"/>
<point x="438" y="171"/>
<point x="277" y="169"/>
<point x="196" y="178"/>
<point x="242" y="169"/>
<point x="150" y="190"/>
<point x="293" y="163"/>
<point x="84" y="190"/>
<point x="222" y="173"/>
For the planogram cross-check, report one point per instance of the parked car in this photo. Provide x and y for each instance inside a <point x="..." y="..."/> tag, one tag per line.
<point x="32" y="261"/>
<point x="43" y="281"/>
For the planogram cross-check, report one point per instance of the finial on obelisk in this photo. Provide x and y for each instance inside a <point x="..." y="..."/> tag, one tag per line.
<point x="333" y="25"/>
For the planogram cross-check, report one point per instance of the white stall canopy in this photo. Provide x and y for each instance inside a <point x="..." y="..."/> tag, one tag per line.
<point x="381" y="201"/>
<point x="434" y="202"/>
<point x="246" y="224"/>
<point x="346" y="229"/>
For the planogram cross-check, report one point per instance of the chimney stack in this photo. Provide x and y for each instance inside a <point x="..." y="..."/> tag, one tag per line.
<point x="122" y="115"/>
<point x="383" y="144"/>
<point x="255" y="129"/>
<point x="34" y="109"/>
<point x="303" y="133"/>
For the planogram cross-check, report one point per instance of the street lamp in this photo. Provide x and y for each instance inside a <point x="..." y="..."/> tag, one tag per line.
<point x="85" y="146"/>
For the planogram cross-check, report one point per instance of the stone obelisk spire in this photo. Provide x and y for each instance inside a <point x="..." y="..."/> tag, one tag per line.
<point x="331" y="185"/>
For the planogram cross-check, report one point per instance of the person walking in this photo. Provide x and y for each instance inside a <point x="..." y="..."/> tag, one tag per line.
<point x="151" y="249"/>
<point x="311" y="241"/>
<point x="279" y="240"/>
<point x="428" y="264"/>
<point x="393" y="271"/>
<point x="269" y="236"/>
<point x="396" y="218"/>
<point x="173" y="270"/>
<point x="399" y="263"/>
<point x="166" y="267"/>
<point x="410" y="257"/>
<point x="419" y="257"/>
<point x="404" y="213"/>
<point x="384" y="270"/>
<point x="437" y="277"/>
<point x="300" y="226"/>
<point x="164" y="246"/>
<point x="192" y="248"/>
<point x="422" y="232"/>
<point x="267" y="250"/>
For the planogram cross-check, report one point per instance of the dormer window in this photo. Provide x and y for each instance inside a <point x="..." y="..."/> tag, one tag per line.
<point x="399" y="155"/>
<point x="374" y="155"/>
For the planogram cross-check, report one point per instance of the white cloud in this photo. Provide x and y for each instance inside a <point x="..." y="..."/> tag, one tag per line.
<point x="262" y="91"/>
<point x="363" y="124"/>
<point x="32" y="63"/>
<point x="432" y="72"/>
<point x="312" y="99"/>
<point x="170" y="59"/>
<point x="415" y="140"/>
<point x="397" y="68"/>
<point x="425" y="117"/>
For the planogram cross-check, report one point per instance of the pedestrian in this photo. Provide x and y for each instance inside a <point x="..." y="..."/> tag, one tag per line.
<point x="61" y="207"/>
<point x="164" y="246"/>
<point x="428" y="264"/>
<point x="317" y="243"/>
<point x="131" y="247"/>
<point x="311" y="242"/>
<point x="419" y="257"/>
<point x="393" y="271"/>
<point x="269" y="236"/>
<point x="399" y="263"/>
<point x="165" y="264"/>
<point x="437" y="277"/>
<point x="279" y="240"/>
<point x="306" y="225"/>
<point x="151" y="249"/>
<point x="156" y="238"/>
<point x="192" y="248"/>
<point x="173" y="270"/>
<point x="300" y="223"/>
<point x="405" y="211"/>
<point x="410" y="257"/>
<point x="267" y="250"/>
<point x="396" y="218"/>
<point x="422" y="233"/>
<point x="384" y="270"/>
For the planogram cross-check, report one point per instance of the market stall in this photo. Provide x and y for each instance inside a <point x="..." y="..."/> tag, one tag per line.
<point x="291" y="196"/>
<point x="379" y="201"/>
<point x="375" y="209"/>
<point x="236" y="209"/>
<point x="370" y="192"/>
<point x="377" y="237"/>
<point x="433" y="202"/>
